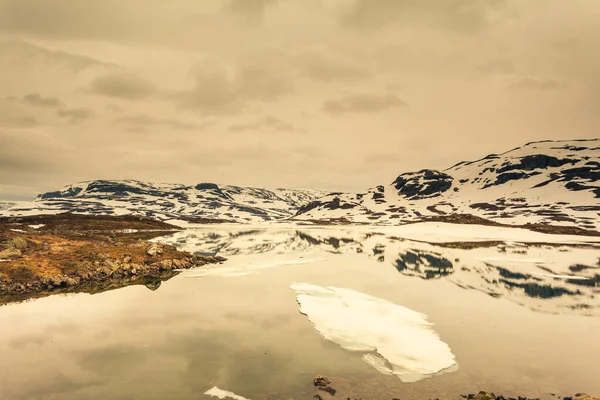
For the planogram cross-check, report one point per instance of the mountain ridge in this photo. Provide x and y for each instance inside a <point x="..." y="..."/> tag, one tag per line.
<point x="544" y="182"/>
<point x="541" y="182"/>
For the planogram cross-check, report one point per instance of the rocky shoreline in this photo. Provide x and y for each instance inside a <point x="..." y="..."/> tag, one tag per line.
<point x="324" y="390"/>
<point x="107" y="268"/>
<point x="40" y="256"/>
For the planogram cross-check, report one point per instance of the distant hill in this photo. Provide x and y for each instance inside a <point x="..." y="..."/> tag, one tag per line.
<point x="548" y="182"/>
<point x="202" y="202"/>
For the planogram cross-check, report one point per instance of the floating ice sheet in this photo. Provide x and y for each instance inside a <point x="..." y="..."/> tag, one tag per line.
<point x="223" y="394"/>
<point x="396" y="340"/>
<point x="248" y="269"/>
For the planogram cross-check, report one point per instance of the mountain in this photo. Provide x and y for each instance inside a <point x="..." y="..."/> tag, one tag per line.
<point x="206" y="202"/>
<point x="550" y="182"/>
<point x="5" y="205"/>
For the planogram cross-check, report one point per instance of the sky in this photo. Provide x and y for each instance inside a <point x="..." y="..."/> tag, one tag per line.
<point x="325" y="94"/>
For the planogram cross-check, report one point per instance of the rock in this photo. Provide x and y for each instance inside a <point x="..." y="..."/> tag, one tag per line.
<point x="584" y="396"/>
<point x="321" y="381"/>
<point x="328" y="389"/>
<point x="154" y="250"/>
<point x="318" y="397"/>
<point x="70" y="281"/>
<point x="56" y="280"/>
<point x="18" y="243"/>
<point x="10" y="253"/>
<point x="166" y="264"/>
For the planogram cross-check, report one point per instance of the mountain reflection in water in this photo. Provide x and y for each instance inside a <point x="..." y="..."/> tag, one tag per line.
<point x="545" y="277"/>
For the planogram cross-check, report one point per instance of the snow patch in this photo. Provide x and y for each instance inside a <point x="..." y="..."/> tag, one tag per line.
<point x="387" y="332"/>
<point x="19" y="230"/>
<point x="517" y="260"/>
<point x="223" y="394"/>
<point x="38" y="226"/>
<point x="249" y="269"/>
<point x="574" y="277"/>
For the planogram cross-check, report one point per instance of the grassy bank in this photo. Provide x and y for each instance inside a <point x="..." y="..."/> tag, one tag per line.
<point x="69" y="253"/>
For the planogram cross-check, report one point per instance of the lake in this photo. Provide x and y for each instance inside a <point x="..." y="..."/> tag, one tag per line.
<point x="517" y="318"/>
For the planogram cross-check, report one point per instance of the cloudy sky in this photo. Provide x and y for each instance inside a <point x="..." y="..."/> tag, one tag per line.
<point x="332" y="94"/>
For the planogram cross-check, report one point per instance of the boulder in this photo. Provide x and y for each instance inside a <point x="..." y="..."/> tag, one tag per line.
<point x="154" y="250"/>
<point x="321" y="381"/>
<point x="18" y="243"/>
<point x="10" y="253"/>
<point x="583" y="396"/>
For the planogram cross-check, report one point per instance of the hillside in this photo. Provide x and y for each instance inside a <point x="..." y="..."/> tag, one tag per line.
<point x="550" y="182"/>
<point x="204" y="202"/>
<point x="547" y="182"/>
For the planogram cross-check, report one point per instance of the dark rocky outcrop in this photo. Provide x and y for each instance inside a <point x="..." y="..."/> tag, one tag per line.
<point x="423" y="184"/>
<point x="206" y="186"/>
<point x="537" y="161"/>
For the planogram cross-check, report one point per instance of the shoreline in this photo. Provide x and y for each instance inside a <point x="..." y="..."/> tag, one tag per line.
<point x="45" y="255"/>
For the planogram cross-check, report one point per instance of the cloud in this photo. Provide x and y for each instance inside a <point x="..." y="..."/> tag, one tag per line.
<point x="460" y="15"/>
<point x="261" y="83"/>
<point x="29" y="53"/>
<point x="75" y="115"/>
<point x="38" y="100"/>
<point x="123" y="85"/>
<point x="268" y="123"/>
<point x="145" y="121"/>
<point x="500" y="67"/>
<point x="327" y="69"/>
<point x="32" y="153"/>
<point x="250" y="8"/>
<point x="217" y="92"/>
<point x="529" y="83"/>
<point x="364" y="103"/>
<point x="18" y="122"/>
<point x="91" y="19"/>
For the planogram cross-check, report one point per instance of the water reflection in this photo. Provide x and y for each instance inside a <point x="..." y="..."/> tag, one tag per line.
<point x="546" y="277"/>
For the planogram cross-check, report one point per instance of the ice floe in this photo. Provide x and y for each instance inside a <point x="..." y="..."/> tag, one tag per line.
<point x="223" y="394"/>
<point x="396" y="340"/>
<point x="248" y="269"/>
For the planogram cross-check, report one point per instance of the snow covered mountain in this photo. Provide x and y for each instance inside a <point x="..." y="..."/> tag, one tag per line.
<point x="554" y="182"/>
<point x="204" y="201"/>
<point x="549" y="182"/>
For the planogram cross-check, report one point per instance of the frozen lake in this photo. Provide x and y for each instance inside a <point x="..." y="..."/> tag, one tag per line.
<point x="434" y="316"/>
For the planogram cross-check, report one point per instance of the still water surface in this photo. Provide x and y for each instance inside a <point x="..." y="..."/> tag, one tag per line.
<point x="512" y="329"/>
